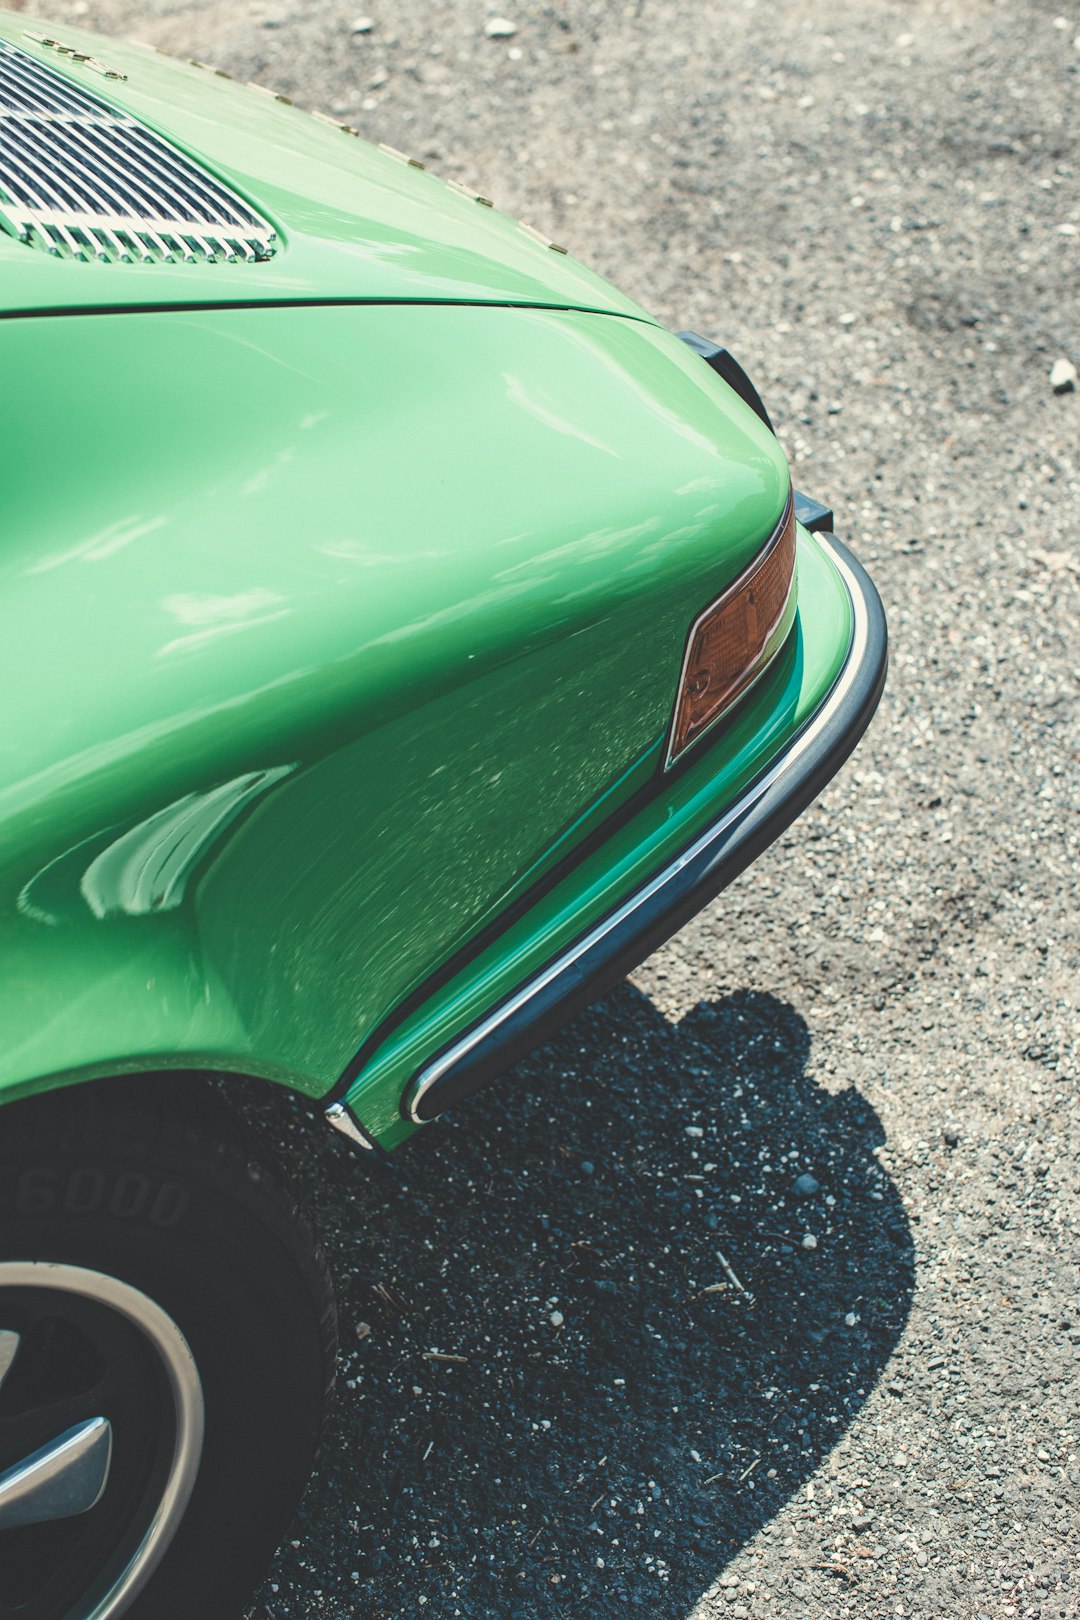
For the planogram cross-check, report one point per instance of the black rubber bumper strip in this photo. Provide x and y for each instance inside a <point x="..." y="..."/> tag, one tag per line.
<point x="614" y="947"/>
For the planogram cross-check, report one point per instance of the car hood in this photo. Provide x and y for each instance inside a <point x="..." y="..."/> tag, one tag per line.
<point x="353" y="221"/>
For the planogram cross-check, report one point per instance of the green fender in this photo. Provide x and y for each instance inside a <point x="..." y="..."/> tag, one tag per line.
<point x="327" y="631"/>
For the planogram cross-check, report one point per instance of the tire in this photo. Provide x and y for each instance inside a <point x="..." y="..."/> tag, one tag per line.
<point x="166" y="1315"/>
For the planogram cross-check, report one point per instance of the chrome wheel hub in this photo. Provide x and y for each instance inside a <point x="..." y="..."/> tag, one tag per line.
<point x="101" y="1433"/>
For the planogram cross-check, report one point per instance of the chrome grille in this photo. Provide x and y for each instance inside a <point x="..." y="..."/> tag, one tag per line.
<point x="85" y="180"/>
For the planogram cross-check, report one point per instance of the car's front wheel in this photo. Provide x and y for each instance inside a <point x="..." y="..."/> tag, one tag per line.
<point x="166" y="1347"/>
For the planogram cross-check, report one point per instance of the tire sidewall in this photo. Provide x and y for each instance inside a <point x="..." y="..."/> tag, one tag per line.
<point x="205" y="1243"/>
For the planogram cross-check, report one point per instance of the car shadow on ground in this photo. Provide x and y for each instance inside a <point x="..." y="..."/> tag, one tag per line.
<point x="661" y="1329"/>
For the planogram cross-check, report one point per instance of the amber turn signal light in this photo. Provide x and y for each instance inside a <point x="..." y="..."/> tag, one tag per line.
<point x="736" y="638"/>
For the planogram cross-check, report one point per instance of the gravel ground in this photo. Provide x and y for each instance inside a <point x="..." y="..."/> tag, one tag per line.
<point x="675" y="1374"/>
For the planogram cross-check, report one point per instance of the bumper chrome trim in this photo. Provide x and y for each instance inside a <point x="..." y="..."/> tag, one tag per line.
<point x="656" y="910"/>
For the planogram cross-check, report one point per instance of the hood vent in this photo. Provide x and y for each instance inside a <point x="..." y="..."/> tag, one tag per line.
<point x="82" y="179"/>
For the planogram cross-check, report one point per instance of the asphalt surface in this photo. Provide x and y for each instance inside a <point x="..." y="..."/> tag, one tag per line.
<point x="672" y="1381"/>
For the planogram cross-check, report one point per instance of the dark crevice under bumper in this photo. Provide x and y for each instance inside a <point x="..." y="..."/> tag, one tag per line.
<point x="613" y="947"/>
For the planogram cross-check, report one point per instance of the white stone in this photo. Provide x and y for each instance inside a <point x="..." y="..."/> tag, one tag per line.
<point x="500" y="28"/>
<point x="1063" y="376"/>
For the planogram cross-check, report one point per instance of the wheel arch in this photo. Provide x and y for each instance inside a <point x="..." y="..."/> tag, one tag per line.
<point x="235" y="1083"/>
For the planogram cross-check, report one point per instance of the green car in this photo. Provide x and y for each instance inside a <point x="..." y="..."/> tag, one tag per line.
<point x="404" y="635"/>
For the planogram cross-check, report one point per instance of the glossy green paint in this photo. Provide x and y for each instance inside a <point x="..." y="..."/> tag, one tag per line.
<point x="777" y="709"/>
<point x="354" y="222"/>
<point x="333" y="628"/>
<point x="327" y="630"/>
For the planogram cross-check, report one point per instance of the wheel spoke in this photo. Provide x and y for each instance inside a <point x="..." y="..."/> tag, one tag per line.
<point x="24" y="1433"/>
<point x="59" y="1480"/>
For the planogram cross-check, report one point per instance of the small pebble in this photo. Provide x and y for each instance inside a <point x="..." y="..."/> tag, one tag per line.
<point x="556" y="1318"/>
<point x="809" y="1241"/>
<point x="806" y="1185"/>
<point x="500" y="28"/>
<point x="1063" y="376"/>
<point x="363" y="25"/>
